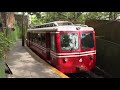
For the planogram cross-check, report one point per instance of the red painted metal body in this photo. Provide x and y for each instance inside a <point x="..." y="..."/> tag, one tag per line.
<point x="67" y="61"/>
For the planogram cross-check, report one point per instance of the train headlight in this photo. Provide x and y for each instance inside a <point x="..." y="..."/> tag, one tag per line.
<point x="83" y="68"/>
<point x="91" y="57"/>
<point x="80" y="60"/>
<point x="65" y="60"/>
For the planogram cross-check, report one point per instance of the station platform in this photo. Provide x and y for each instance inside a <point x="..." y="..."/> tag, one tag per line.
<point x="26" y="64"/>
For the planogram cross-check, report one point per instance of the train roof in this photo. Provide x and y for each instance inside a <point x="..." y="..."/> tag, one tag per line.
<point x="52" y="24"/>
<point x="59" y="26"/>
<point x="59" y="23"/>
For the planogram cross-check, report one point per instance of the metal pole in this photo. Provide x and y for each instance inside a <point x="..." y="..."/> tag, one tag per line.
<point x="23" y="36"/>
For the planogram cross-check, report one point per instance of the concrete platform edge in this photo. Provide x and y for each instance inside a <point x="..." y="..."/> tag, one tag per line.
<point x="54" y="69"/>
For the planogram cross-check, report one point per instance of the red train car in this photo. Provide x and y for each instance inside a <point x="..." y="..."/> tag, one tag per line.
<point x="68" y="47"/>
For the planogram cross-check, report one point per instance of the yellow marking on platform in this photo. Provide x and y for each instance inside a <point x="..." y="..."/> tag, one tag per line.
<point x="54" y="69"/>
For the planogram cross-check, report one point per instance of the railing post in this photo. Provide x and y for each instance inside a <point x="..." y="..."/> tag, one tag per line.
<point x="23" y="33"/>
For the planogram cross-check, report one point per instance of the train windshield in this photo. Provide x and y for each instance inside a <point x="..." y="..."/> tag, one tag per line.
<point x="87" y="40"/>
<point x="69" y="41"/>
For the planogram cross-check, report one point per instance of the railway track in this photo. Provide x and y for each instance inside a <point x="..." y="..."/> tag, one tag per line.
<point x="94" y="73"/>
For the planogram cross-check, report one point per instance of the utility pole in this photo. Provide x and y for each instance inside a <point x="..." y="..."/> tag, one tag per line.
<point x="23" y="34"/>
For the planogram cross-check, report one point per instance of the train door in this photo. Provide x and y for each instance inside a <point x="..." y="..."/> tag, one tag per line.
<point x="52" y="48"/>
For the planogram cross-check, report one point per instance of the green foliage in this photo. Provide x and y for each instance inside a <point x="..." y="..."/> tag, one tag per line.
<point x="92" y="15"/>
<point x="14" y="35"/>
<point x="4" y="44"/>
<point x="35" y="20"/>
<point x="46" y="17"/>
<point x="75" y="17"/>
<point x="7" y="38"/>
<point x="102" y="15"/>
<point x="2" y="69"/>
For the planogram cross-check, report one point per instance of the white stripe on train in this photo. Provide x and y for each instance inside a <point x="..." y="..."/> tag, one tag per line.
<point x="94" y="51"/>
<point x="72" y="55"/>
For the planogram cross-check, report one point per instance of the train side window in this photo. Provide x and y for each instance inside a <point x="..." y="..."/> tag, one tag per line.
<point x="53" y="42"/>
<point x="31" y="35"/>
<point x="43" y="39"/>
<point x="39" y="39"/>
<point x="35" y="37"/>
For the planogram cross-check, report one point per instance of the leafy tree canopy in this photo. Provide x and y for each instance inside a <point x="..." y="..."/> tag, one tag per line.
<point x="75" y="17"/>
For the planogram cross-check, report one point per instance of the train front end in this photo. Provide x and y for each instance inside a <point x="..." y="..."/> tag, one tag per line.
<point x="75" y="50"/>
<point x="87" y="50"/>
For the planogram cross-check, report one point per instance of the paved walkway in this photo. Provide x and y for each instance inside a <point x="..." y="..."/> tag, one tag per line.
<point x="23" y="65"/>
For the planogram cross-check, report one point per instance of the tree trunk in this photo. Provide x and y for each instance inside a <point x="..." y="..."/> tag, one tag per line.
<point x="110" y="16"/>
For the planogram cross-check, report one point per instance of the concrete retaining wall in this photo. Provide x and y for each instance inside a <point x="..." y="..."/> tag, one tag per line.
<point x="108" y="57"/>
